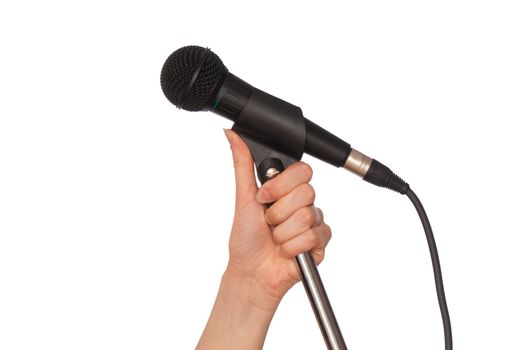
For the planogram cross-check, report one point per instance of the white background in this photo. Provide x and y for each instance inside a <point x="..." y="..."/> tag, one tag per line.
<point x="115" y="207"/>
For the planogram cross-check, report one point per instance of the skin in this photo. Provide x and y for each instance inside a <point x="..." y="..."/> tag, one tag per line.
<point x="262" y="247"/>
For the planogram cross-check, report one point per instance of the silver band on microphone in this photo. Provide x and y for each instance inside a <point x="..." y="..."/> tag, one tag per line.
<point x="358" y="163"/>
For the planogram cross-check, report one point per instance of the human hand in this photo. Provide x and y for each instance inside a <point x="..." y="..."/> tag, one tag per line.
<point x="264" y="241"/>
<point x="262" y="249"/>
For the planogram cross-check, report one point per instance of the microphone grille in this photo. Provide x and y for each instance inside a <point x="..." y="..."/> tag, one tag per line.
<point x="191" y="77"/>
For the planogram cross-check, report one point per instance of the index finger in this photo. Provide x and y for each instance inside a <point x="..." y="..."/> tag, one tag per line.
<point x="284" y="182"/>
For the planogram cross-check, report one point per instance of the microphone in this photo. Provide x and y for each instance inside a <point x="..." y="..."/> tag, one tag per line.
<point x="195" y="79"/>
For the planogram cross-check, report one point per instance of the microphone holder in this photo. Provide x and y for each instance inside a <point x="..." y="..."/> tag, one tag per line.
<point x="269" y="163"/>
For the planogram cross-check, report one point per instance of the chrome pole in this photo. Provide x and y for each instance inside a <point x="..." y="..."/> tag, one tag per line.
<point x="320" y="302"/>
<point x="314" y="287"/>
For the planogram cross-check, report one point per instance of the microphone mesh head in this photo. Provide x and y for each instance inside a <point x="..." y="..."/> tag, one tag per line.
<point x="191" y="77"/>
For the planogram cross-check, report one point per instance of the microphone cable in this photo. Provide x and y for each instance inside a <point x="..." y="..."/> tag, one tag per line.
<point x="380" y="175"/>
<point x="447" y="328"/>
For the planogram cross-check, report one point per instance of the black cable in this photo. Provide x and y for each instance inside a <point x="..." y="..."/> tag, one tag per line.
<point x="380" y="175"/>
<point x="447" y="328"/>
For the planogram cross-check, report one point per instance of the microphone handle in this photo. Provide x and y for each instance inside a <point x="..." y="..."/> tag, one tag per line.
<point x="311" y="280"/>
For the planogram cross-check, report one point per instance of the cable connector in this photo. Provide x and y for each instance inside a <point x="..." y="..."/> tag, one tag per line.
<point x="380" y="175"/>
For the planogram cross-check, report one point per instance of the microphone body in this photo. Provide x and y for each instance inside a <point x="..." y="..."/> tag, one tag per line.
<point x="277" y="123"/>
<point x="195" y="79"/>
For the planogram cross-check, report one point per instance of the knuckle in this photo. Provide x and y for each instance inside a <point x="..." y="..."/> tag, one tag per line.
<point x="278" y="237"/>
<point x="306" y="169"/>
<point x="311" y="238"/>
<point x="320" y="216"/>
<point x="271" y="215"/>
<point x="263" y="191"/>
<point x="320" y="255"/>
<point x="274" y="190"/>
<point x="328" y="232"/>
<point x="308" y="192"/>
<point x="306" y="216"/>
<point x="286" y="250"/>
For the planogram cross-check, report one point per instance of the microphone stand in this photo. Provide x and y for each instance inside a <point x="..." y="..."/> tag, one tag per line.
<point x="270" y="163"/>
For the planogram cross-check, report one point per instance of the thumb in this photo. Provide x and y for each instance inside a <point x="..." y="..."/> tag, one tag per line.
<point x="243" y="168"/>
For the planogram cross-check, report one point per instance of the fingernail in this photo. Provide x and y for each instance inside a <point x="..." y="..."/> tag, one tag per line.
<point x="263" y="196"/>
<point x="227" y="134"/>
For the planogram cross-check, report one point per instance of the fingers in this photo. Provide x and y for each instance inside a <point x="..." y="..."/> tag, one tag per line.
<point x="302" y="220"/>
<point x="243" y="168"/>
<point x="315" y="240"/>
<point x="298" y="225"/>
<point x="301" y="196"/>
<point x="304" y="231"/>
<point x="284" y="183"/>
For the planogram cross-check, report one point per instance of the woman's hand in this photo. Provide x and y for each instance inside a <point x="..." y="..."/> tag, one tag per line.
<point x="264" y="242"/>
<point x="263" y="245"/>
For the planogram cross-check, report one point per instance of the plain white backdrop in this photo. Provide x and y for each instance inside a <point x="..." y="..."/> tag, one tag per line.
<point x="115" y="207"/>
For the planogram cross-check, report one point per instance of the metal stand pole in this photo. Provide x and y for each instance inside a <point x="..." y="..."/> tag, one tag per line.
<point x="311" y="278"/>
<point x="320" y="302"/>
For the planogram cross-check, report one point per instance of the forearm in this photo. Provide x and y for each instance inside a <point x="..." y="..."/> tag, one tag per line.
<point x="240" y="317"/>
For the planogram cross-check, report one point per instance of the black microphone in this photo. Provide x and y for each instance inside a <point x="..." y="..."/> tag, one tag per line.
<point x="195" y="79"/>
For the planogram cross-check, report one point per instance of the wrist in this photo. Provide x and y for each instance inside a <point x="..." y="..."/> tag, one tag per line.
<point x="240" y="316"/>
<point x="249" y="291"/>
